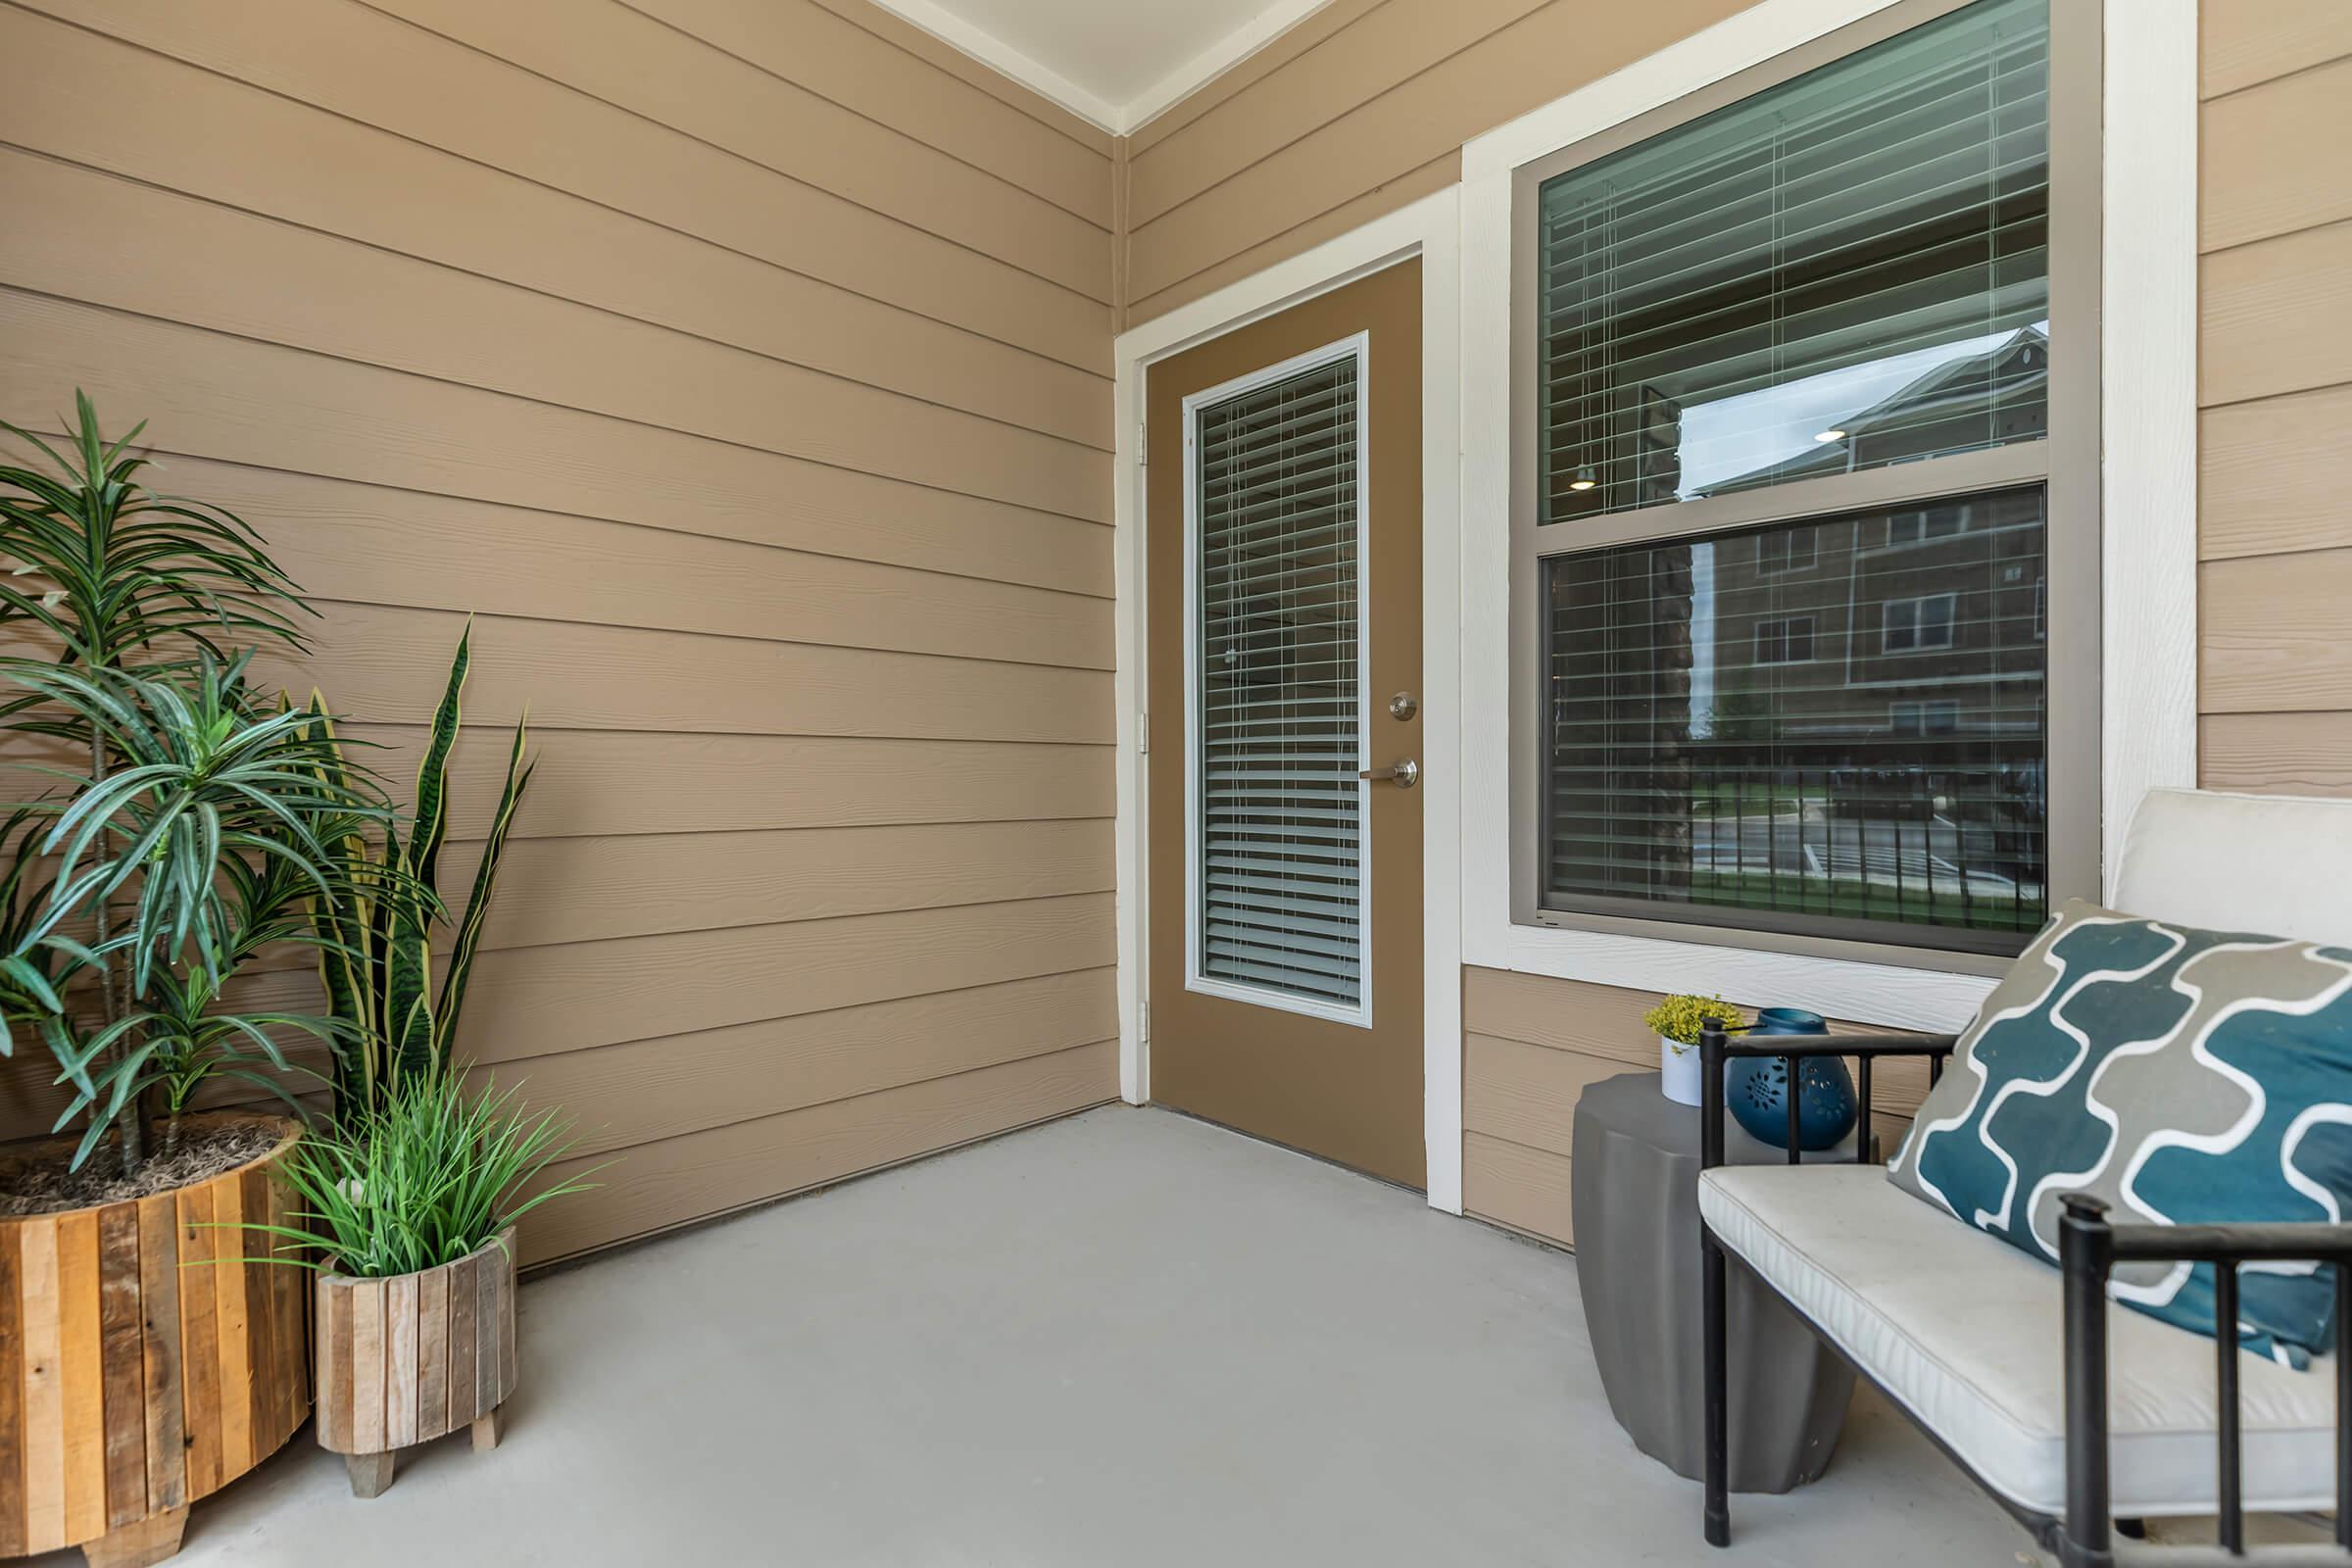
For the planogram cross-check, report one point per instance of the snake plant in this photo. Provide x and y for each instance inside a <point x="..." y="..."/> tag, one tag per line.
<point x="375" y="950"/>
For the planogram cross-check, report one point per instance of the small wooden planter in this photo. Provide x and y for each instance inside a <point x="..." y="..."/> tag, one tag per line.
<point x="137" y="1372"/>
<point x="406" y="1360"/>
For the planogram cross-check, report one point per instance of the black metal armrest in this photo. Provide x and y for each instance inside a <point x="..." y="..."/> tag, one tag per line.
<point x="1931" y="1046"/>
<point x="1716" y="1047"/>
<point x="2088" y="1249"/>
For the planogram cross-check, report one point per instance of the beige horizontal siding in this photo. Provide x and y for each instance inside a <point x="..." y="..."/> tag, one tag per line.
<point x="1533" y="1045"/>
<point x="2248" y="42"/>
<point x="376" y="68"/>
<point x="645" y="1090"/>
<point x="242" y="401"/>
<point x="391" y="662"/>
<point x="2274" y="460"/>
<point x="619" y="56"/>
<point x="2274" y="473"/>
<point x="739" y="366"/>
<point x="232" y="272"/>
<point x="2291" y="754"/>
<point x="179" y="127"/>
<point x="620" y="782"/>
<point x="588" y="889"/>
<point x="2276" y="633"/>
<point x="709" y="1172"/>
<point x="2266" y="193"/>
<point x="368" y="544"/>
<point x="1359" y="119"/>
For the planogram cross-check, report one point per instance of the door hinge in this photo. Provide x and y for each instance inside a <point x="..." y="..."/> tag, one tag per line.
<point x="1143" y="1023"/>
<point x="1143" y="445"/>
<point x="1142" y="733"/>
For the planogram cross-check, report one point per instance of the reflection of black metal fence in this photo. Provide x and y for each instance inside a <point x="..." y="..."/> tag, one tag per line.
<point x="1941" y="829"/>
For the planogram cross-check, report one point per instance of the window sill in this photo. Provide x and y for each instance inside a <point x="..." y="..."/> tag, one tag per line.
<point x="1905" y="988"/>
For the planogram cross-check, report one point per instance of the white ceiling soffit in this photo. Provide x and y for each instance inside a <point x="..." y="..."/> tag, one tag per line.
<point x="1114" y="62"/>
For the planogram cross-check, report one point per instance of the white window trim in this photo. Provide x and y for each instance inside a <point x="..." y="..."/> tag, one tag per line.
<point x="2149" y="493"/>
<point x="1919" y="622"/>
<point x="1921" y="707"/>
<point x="1358" y="349"/>
<point x="1431" y="230"/>
<point x="1811" y="562"/>
<point x="1787" y="625"/>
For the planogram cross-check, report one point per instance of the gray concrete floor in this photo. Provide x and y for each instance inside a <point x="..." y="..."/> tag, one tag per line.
<point x="1125" y="1338"/>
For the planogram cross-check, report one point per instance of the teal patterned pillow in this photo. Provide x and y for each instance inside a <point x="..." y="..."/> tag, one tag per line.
<point x="2185" y="1076"/>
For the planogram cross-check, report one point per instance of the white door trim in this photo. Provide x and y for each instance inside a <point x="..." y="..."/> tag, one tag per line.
<point x="1430" y="230"/>
<point x="1358" y="349"/>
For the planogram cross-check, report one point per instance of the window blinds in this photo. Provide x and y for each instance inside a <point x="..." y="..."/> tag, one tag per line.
<point x="1278" y="808"/>
<point x="1846" y="271"/>
<point x="1858" y="739"/>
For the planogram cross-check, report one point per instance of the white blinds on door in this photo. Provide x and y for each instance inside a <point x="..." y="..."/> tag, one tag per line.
<point x="1278" y="809"/>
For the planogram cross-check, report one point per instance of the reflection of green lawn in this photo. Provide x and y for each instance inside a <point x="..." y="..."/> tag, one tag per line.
<point x="1750" y="799"/>
<point x="1862" y="901"/>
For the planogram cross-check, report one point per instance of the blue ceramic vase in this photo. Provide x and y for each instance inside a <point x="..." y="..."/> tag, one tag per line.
<point x="1757" y="1088"/>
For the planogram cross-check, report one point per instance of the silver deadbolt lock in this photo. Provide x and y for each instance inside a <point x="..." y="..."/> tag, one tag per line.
<point x="1403" y="706"/>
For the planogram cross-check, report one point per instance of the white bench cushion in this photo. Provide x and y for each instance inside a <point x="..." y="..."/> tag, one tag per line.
<point x="1967" y="1333"/>
<point x="2239" y="862"/>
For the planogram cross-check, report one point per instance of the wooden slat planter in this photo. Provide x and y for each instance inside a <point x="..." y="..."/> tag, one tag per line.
<point x="138" y="1372"/>
<point x="406" y="1360"/>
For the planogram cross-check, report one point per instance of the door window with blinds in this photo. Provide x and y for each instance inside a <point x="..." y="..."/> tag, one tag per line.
<point x="1800" y="382"/>
<point x="1274" y="518"/>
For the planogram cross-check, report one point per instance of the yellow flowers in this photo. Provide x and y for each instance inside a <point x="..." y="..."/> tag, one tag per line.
<point x="1678" y="1018"/>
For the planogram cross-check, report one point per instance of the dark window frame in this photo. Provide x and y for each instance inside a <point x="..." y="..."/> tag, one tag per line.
<point x="2065" y="465"/>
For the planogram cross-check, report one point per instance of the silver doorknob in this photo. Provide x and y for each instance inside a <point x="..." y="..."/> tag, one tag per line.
<point x="1405" y="775"/>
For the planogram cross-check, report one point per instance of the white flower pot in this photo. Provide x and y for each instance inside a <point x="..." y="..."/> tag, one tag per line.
<point x="1677" y="1072"/>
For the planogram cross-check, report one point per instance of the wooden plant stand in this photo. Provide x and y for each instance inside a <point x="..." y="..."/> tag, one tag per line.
<point x="406" y="1360"/>
<point x="138" y="1370"/>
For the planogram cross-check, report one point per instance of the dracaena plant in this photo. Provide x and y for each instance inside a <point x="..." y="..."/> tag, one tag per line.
<point x="207" y="835"/>
<point x="376" y="949"/>
<point x="220" y="824"/>
<point x="197" y="822"/>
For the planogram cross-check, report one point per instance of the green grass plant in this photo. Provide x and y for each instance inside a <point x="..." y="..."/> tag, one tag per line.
<point x="434" y="1174"/>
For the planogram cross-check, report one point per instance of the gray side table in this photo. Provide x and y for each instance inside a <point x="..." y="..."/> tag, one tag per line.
<point x="1633" y="1188"/>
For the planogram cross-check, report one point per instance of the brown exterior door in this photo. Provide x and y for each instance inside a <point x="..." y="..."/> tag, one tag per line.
<point x="1284" y="537"/>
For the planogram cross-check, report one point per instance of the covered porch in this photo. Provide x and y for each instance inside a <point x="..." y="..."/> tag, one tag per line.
<point x="1122" y="1337"/>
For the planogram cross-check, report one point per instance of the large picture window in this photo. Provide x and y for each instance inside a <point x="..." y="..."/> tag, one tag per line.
<point x="1789" y="377"/>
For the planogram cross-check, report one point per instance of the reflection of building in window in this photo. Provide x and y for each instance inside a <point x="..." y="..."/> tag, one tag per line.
<point x="1785" y="550"/>
<point x="1658" y="444"/>
<point x="1937" y="717"/>
<point x="1909" y="625"/>
<point x="1979" y="582"/>
<point x="1788" y="641"/>
<point x="1974" y="400"/>
<point x="1905" y="528"/>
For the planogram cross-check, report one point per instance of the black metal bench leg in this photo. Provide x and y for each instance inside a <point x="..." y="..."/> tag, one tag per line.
<point x="2085" y="1254"/>
<point x="1718" y="1396"/>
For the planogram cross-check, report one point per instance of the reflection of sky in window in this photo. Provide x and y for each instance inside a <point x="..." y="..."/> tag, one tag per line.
<point x="1753" y="430"/>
